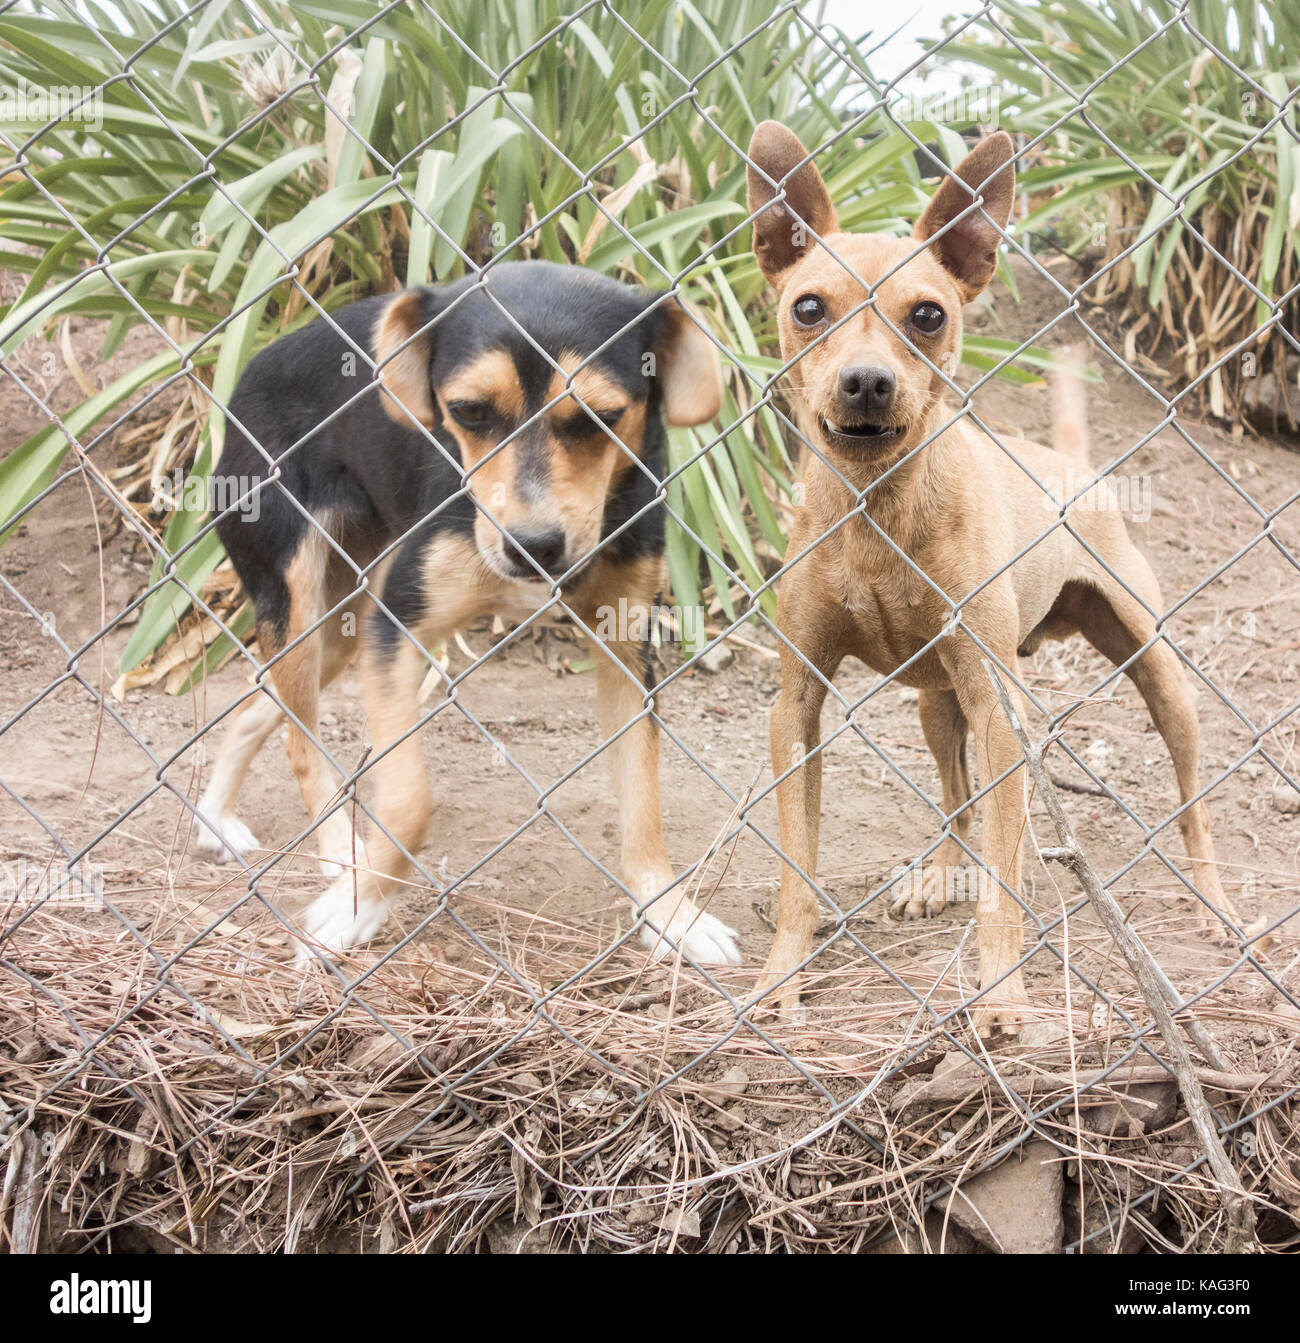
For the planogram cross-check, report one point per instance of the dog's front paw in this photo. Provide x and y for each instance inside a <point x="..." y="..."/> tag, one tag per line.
<point x="339" y="919"/>
<point x="224" y="839"/>
<point x="1004" y="1008"/>
<point x="998" y="1018"/>
<point x="699" y="936"/>
<point x="924" y="896"/>
<point x="785" y="1003"/>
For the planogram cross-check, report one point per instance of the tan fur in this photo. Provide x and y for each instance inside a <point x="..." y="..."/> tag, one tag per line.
<point x="298" y="674"/>
<point x="1069" y="414"/>
<point x="403" y="799"/>
<point x="690" y="376"/>
<point x="403" y="358"/>
<point x="296" y="678"/>
<point x="960" y="510"/>
<point x="588" y="386"/>
<point x="622" y="698"/>
<point x="492" y="378"/>
<point x="785" y="168"/>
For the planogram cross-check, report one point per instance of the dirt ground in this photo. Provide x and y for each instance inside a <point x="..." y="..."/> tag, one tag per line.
<point x="1222" y="533"/>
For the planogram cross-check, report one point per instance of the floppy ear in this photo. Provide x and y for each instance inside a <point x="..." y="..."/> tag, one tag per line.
<point x="969" y="250"/>
<point x="687" y="367"/>
<point x="403" y="366"/>
<point x="781" y="230"/>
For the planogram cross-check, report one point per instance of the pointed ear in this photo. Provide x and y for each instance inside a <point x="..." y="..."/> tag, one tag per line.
<point x="969" y="250"/>
<point x="403" y="361"/>
<point x="781" y="230"/>
<point x="687" y="367"/>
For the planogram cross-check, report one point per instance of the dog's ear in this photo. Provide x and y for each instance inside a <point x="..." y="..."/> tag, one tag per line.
<point x="687" y="367"/>
<point x="968" y="251"/>
<point x="402" y="349"/>
<point x="783" y="229"/>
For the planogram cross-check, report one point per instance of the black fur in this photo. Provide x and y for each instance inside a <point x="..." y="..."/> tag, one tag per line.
<point x="375" y="479"/>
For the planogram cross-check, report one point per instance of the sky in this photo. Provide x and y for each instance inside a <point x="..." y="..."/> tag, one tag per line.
<point x="910" y="20"/>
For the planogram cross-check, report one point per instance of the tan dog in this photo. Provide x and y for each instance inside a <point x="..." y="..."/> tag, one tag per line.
<point x="942" y="535"/>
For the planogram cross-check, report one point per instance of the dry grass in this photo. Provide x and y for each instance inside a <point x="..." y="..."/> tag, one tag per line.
<point x="1204" y="339"/>
<point x="501" y="1083"/>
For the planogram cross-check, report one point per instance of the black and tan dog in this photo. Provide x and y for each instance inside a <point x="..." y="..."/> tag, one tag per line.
<point x="512" y="442"/>
<point x="955" y="525"/>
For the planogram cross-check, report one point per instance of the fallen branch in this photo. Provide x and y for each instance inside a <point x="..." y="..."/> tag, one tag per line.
<point x="964" y="1085"/>
<point x="25" y="1230"/>
<point x="1153" y="982"/>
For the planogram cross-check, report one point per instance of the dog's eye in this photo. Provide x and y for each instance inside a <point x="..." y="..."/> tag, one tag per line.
<point x="471" y="414"/>
<point x="584" y="423"/>
<point x="808" y="310"/>
<point x="928" y="318"/>
<point x="589" y="426"/>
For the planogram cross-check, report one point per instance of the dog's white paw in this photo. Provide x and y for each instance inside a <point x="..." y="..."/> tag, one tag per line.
<point x="336" y="921"/>
<point x="224" y="839"/>
<point x="699" y="936"/>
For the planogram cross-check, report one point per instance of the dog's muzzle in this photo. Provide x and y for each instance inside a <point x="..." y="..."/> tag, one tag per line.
<point x="864" y="438"/>
<point x="864" y="412"/>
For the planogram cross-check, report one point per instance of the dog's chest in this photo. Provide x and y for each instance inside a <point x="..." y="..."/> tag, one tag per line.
<point x="887" y="602"/>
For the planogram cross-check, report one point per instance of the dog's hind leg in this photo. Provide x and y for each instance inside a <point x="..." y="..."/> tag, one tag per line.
<point x="1117" y="624"/>
<point x="217" y="831"/>
<point x="946" y="730"/>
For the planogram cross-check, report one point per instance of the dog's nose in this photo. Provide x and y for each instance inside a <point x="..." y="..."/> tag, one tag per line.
<point x="868" y="391"/>
<point x="546" y="549"/>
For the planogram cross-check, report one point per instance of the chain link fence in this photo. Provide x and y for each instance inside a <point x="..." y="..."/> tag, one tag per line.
<point x="505" y="1064"/>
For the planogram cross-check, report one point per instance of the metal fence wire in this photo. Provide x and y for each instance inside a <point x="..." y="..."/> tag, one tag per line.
<point x="505" y="1053"/>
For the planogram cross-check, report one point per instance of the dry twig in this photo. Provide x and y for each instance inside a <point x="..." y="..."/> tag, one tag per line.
<point x="1152" y="980"/>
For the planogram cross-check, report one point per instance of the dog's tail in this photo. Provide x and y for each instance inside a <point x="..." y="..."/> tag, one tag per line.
<point x="1069" y="410"/>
